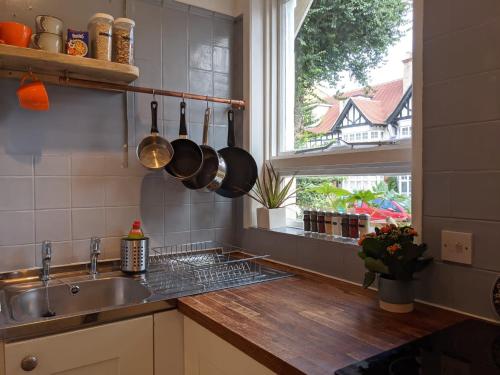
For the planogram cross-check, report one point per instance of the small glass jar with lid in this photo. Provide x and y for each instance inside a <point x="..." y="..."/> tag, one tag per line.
<point x="100" y="31"/>
<point x="364" y="224"/>
<point x="314" y="221"/>
<point x="321" y="222"/>
<point x="329" y="223"/>
<point x="123" y="41"/>
<point x="307" y="220"/>
<point x="337" y="224"/>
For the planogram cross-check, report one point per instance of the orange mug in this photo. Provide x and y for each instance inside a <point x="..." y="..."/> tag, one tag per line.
<point x="15" y="34"/>
<point x="33" y="95"/>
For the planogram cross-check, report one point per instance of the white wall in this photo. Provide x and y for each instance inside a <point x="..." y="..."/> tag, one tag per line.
<point x="230" y="7"/>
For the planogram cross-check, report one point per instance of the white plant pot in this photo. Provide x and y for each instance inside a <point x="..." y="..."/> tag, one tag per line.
<point x="271" y="218"/>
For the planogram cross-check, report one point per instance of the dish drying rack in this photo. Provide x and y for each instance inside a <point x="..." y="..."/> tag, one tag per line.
<point x="202" y="266"/>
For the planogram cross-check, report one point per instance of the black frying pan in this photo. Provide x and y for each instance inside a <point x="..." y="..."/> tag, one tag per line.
<point x="188" y="157"/>
<point x="213" y="171"/>
<point x="241" y="169"/>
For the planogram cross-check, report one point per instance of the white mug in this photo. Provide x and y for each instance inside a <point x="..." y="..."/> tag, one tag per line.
<point x="48" y="42"/>
<point x="49" y="24"/>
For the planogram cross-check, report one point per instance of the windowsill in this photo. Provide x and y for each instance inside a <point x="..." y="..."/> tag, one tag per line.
<point x="316" y="236"/>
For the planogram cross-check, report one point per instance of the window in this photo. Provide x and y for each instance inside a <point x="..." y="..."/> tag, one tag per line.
<point x="405" y="132"/>
<point x="404" y="185"/>
<point x="379" y="196"/>
<point x="368" y="122"/>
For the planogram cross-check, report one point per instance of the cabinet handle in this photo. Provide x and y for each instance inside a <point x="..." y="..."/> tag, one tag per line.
<point x="29" y="363"/>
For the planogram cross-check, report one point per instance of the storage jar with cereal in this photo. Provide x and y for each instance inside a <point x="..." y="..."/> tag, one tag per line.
<point x="100" y="29"/>
<point x="123" y="41"/>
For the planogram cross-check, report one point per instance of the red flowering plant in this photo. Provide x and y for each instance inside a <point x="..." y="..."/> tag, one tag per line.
<point x="391" y="252"/>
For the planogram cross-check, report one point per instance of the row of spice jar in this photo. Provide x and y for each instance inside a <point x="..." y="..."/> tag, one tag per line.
<point x="111" y="39"/>
<point x="336" y="224"/>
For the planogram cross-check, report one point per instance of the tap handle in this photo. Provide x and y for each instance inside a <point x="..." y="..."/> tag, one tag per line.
<point x="95" y="245"/>
<point x="46" y="250"/>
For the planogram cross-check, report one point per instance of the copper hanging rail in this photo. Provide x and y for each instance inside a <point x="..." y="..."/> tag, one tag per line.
<point x="83" y="83"/>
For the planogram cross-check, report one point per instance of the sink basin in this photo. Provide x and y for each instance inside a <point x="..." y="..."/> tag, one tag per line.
<point x="34" y="301"/>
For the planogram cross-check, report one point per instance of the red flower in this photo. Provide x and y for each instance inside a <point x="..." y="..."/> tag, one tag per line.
<point x="393" y="248"/>
<point x="385" y="229"/>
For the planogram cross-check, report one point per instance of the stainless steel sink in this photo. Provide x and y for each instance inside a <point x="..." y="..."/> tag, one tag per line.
<point x="71" y="296"/>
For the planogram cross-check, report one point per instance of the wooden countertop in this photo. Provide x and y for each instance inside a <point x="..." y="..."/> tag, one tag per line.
<point x="309" y="324"/>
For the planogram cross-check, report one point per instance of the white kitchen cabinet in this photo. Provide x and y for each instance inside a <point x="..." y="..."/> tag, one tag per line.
<point x="121" y="348"/>
<point x="208" y="354"/>
<point x="169" y="343"/>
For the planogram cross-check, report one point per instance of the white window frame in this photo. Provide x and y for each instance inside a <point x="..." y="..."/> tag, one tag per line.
<point x="263" y="85"/>
<point x="402" y="158"/>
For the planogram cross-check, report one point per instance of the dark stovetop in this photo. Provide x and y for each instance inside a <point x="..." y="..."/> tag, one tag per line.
<point x="471" y="347"/>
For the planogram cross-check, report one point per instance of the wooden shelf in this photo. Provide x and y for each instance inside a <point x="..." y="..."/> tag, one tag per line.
<point x="59" y="64"/>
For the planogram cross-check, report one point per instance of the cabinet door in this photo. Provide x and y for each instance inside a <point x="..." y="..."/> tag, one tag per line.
<point x="121" y="348"/>
<point x="169" y="343"/>
<point x="207" y="354"/>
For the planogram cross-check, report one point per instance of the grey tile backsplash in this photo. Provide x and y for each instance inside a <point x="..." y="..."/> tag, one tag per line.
<point x="61" y="174"/>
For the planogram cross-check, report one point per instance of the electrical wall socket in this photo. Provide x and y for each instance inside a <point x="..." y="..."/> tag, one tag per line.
<point x="456" y="247"/>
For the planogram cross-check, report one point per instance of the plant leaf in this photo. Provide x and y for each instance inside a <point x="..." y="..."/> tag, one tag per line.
<point x="376" y="265"/>
<point x="369" y="279"/>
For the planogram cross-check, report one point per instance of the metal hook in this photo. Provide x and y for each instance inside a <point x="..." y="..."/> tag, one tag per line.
<point x="154" y="96"/>
<point x="206" y="98"/>
<point x="183" y="97"/>
<point x="30" y="71"/>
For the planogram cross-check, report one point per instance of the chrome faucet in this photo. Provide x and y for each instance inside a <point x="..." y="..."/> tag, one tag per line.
<point x="95" y="251"/>
<point x="46" y="258"/>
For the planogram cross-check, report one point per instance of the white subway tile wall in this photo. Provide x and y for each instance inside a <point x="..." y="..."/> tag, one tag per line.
<point x="61" y="174"/>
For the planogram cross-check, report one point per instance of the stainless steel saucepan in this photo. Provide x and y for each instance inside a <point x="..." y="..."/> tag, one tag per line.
<point x="154" y="151"/>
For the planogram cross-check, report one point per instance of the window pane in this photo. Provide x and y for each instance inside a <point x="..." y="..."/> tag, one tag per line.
<point x="384" y="198"/>
<point x="352" y="71"/>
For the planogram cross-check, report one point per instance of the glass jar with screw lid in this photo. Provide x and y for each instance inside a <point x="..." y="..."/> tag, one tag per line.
<point x="123" y="41"/>
<point x="100" y="30"/>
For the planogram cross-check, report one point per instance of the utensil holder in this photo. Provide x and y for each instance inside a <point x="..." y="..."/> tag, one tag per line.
<point x="134" y="255"/>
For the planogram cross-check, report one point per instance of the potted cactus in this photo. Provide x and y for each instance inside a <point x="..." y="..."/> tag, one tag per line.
<point x="390" y="253"/>
<point x="272" y="193"/>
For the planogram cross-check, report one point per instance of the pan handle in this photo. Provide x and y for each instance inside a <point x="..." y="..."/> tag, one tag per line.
<point x="206" y="122"/>
<point x="230" y="128"/>
<point x="182" y="127"/>
<point x="154" y="117"/>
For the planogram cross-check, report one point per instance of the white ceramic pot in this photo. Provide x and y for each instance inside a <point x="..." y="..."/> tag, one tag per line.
<point x="395" y="296"/>
<point x="271" y="218"/>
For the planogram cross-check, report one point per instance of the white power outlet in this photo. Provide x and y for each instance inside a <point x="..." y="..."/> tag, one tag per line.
<point x="456" y="247"/>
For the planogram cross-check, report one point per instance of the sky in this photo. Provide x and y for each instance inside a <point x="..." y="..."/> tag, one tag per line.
<point x="390" y="70"/>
